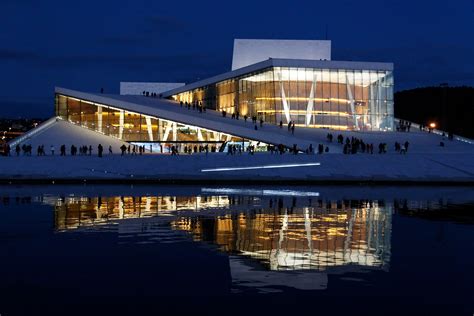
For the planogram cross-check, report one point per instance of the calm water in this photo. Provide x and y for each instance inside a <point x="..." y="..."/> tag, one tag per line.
<point x="236" y="250"/>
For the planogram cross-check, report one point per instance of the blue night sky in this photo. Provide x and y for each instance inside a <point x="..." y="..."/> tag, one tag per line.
<point x="87" y="45"/>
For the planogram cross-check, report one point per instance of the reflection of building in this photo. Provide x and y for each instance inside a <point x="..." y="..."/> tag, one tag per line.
<point x="303" y="238"/>
<point x="78" y="212"/>
<point x="276" y="81"/>
<point x="287" y="235"/>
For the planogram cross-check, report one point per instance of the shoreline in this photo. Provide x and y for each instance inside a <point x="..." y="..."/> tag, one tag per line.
<point x="238" y="182"/>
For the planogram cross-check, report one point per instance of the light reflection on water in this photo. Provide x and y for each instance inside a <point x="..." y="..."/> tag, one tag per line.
<point x="281" y="233"/>
<point x="256" y="240"/>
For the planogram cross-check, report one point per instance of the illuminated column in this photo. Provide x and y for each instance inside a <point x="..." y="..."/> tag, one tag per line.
<point x="99" y="119"/>
<point x="175" y="134"/>
<point x="167" y="131"/>
<point x="121" y="123"/>
<point x="309" y="108"/>
<point x="379" y="102"/>
<point x="149" y="128"/>
<point x="286" y="106"/>
<point x="199" y="135"/>
<point x="160" y="130"/>
<point x="373" y="111"/>
<point x="351" y="102"/>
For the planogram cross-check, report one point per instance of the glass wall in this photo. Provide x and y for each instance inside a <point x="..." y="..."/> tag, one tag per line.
<point x="324" y="98"/>
<point x="139" y="128"/>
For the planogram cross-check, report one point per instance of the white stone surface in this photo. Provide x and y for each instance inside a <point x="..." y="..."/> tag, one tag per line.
<point x="251" y="51"/>
<point x="137" y="88"/>
<point x="65" y="133"/>
<point x="443" y="168"/>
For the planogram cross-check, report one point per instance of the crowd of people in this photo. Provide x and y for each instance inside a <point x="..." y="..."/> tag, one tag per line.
<point x="356" y="145"/>
<point x="82" y="150"/>
<point x="193" y="105"/>
<point x="403" y="126"/>
<point x="151" y="94"/>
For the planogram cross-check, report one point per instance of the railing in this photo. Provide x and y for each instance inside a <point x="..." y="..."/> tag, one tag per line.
<point x="38" y="129"/>
<point x="438" y="132"/>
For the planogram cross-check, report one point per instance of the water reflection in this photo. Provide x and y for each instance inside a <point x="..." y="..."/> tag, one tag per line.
<point x="271" y="237"/>
<point x="291" y="233"/>
<point x="331" y="234"/>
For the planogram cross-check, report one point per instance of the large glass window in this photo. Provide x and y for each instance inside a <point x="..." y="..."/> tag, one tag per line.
<point x="137" y="128"/>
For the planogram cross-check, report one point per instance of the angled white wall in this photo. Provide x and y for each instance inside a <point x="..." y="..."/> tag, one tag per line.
<point x="251" y="51"/>
<point x="137" y="88"/>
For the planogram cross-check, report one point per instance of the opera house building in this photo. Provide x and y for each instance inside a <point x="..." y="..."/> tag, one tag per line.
<point x="277" y="82"/>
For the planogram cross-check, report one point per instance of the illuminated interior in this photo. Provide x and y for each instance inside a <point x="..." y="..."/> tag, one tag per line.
<point x="329" y="98"/>
<point x="139" y="128"/>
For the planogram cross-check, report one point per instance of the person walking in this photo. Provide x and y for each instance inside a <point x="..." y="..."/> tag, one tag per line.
<point x="52" y="150"/>
<point x="293" y="129"/>
<point x="100" y="149"/>
<point x="110" y="150"/>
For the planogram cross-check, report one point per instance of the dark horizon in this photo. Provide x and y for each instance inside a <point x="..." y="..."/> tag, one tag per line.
<point x="90" y="45"/>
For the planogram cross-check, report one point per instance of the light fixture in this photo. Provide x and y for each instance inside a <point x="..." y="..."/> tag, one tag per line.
<point x="263" y="167"/>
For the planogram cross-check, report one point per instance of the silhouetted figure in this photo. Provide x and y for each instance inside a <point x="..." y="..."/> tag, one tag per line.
<point x="100" y="149"/>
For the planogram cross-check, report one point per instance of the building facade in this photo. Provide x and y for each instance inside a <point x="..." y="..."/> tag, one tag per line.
<point x="321" y="94"/>
<point x="273" y="82"/>
<point x="139" y="128"/>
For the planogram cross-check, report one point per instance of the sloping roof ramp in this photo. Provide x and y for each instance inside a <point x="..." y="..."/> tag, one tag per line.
<point x="137" y="88"/>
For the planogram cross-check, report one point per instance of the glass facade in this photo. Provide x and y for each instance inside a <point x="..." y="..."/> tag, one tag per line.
<point x="139" y="128"/>
<point x="324" y="98"/>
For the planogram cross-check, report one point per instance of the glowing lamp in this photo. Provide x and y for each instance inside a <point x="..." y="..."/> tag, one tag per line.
<point x="432" y="125"/>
